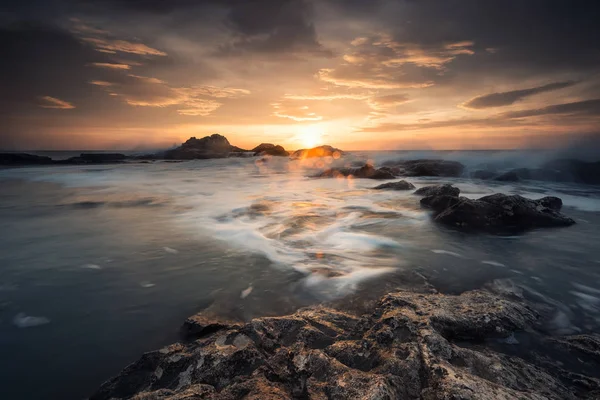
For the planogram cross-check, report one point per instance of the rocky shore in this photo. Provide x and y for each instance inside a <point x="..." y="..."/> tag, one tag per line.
<point x="408" y="346"/>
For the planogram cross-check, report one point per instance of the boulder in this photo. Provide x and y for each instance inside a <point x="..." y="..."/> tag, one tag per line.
<point x="427" y="168"/>
<point x="503" y="214"/>
<point x="510" y="176"/>
<point x="439" y="203"/>
<point x="400" y="185"/>
<point x="408" y="346"/>
<point x="23" y="159"/>
<point x="321" y="151"/>
<point x="268" y="149"/>
<point x="367" y="171"/>
<point x="438" y="190"/>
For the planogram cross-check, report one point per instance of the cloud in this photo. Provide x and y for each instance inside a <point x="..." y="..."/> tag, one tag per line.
<point x="110" y="65"/>
<point x="294" y="110"/>
<point x="53" y="102"/>
<point x="579" y="109"/>
<point x="100" y="83"/>
<point x="123" y="46"/>
<point x="390" y="100"/>
<point x="507" y="98"/>
<point x="380" y="62"/>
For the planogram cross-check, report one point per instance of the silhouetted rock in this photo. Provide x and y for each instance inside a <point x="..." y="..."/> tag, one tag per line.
<point x="268" y="149"/>
<point x="510" y="176"/>
<point x="500" y="214"/>
<point x="410" y="346"/>
<point x="400" y="185"/>
<point x="427" y="168"/>
<point x="214" y="146"/>
<point x="23" y="159"/>
<point x="321" y="151"/>
<point x="438" y="190"/>
<point x="483" y="174"/>
<point x="367" y="171"/>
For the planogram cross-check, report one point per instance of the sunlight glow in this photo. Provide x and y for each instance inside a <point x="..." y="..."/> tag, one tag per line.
<point x="310" y="136"/>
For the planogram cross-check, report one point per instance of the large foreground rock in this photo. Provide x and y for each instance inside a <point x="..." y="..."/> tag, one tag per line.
<point x="426" y="168"/>
<point x="411" y="346"/>
<point x="501" y="214"/>
<point x="438" y="190"/>
<point x="367" y="171"/>
<point x="320" y="151"/>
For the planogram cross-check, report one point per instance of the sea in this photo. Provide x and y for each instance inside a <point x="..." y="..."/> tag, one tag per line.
<point x="101" y="263"/>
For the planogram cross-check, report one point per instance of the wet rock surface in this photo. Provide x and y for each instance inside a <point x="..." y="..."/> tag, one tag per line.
<point x="269" y="149"/>
<point x="409" y="346"/>
<point x="500" y="214"/>
<point x="426" y="168"/>
<point x="320" y="151"/>
<point x="438" y="190"/>
<point x="367" y="172"/>
<point x="400" y="185"/>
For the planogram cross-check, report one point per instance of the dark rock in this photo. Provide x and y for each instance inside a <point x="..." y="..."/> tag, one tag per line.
<point x="268" y="149"/>
<point x="23" y="159"/>
<point x="439" y="203"/>
<point x="367" y="171"/>
<point x="427" y="168"/>
<point x="321" y="151"/>
<point x="501" y="214"/>
<point x="438" y="190"/>
<point x="202" y="324"/>
<point x="483" y="174"/>
<point x="410" y="346"/>
<point x="400" y="185"/>
<point x="510" y="176"/>
<point x="215" y="146"/>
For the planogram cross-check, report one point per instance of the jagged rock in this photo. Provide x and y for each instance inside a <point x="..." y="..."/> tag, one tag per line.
<point x="268" y="149"/>
<point x="500" y="213"/>
<point x="400" y="185"/>
<point x="483" y="174"/>
<point x="214" y="146"/>
<point x="367" y="171"/>
<point x="23" y="159"/>
<point x="438" y="190"/>
<point x="411" y="346"/>
<point x="321" y="151"/>
<point x="427" y="168"/>
<point x="95" y="158"/>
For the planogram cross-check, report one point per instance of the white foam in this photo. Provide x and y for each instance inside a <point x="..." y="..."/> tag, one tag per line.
<point x="246" y="292"/>
<point x="91" y="266"/>
<point x="586" y="289"/>
<point x="494" y="264"/>
<point x="147" y="284"/>
<point x="170" y="250"/>
<point x="449" y="253"/>
<point x="26" y="321"/>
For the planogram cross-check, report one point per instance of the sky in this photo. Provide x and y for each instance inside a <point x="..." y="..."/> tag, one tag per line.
<point x="359" y="75"/>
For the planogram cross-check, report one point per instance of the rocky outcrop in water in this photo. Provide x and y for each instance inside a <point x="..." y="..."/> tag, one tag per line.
<point x="500" y="214"/>
<point x="15" y="159"/>
<point x="320" y="151"/>
<point x="214" y="146"/>
<point x="400" y="185"/>
<point x="410" y="346"/>
<point x="94" y="158"/>
<point x="426" y="168"/>
<point x="438" y="190"/>
<point x="367" y="172"/>
<point x="269" y="149"/>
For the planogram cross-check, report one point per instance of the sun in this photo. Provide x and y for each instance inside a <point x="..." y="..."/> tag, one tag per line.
<point x="310" y="136"/>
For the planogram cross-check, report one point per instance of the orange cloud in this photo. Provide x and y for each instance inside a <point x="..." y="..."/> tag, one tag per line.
<point x="111" y="66"/>
<point x="53" y="102"/>
<point x="123" y="46"/>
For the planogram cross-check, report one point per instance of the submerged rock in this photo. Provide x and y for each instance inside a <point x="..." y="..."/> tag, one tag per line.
<point x="500" y="213"/>
<point x="438" y="190"/>
<point x="321" y="151"/>
<point x="427" y="168"/>
<point x="400" y="185"/>
<point x="367" y="171"/>
<point x="268" y="149"/>
<point x="410" y="346"/>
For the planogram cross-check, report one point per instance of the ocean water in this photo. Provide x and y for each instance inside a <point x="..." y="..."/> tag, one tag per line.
<point x="99" y="264"/>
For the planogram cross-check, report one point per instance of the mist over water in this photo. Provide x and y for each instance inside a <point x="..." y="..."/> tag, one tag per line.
<point x="99" y="264"/>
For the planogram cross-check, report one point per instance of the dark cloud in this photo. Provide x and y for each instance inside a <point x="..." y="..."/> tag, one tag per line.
<point x="507" y="98"/>
<point x="587" y="107"/>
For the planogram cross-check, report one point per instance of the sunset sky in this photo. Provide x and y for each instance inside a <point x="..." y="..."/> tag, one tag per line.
<point x="377" y="74"/>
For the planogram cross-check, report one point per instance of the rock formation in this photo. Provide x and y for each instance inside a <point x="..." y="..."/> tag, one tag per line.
<point x="438" y="190"/>
<point x="400" y="185"/>
<point x="367" y="171"/>
<point x="268" y="149"/>
<point x="410" y="346"/>
<point x="321" y="151"/>
<point x="214" y="146"/>
<point x="13" y="159"/>
<point x="426" y="168"/>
